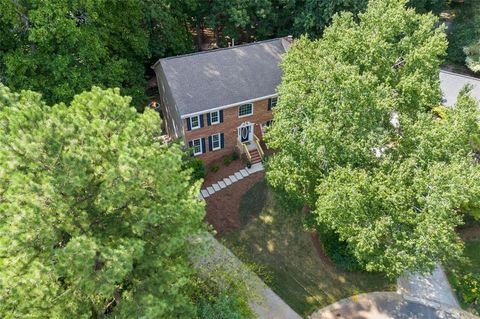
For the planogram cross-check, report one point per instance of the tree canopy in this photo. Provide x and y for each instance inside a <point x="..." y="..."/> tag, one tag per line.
<point x="95" y="212"/>
<point x="359" y="142"/>
<point x="61" y="48"/>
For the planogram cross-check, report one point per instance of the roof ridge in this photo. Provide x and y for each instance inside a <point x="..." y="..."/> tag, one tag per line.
<point x="215" y="50"/>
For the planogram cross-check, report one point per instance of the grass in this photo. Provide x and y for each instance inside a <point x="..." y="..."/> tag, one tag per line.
<point x="274" y="240"/>
<point x="472" y="253"/>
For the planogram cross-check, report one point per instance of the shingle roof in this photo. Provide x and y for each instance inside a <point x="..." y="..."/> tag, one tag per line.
<point x="452" y="83"/>
<point x="216" y="78"/>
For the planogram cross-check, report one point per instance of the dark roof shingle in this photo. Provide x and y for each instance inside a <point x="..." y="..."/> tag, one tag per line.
<point x="216" y="78"/>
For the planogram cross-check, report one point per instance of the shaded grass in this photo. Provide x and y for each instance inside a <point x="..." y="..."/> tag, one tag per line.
<point x="275" y="240"/>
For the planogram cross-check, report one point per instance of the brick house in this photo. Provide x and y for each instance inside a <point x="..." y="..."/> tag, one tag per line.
<point x="220" y="101"/>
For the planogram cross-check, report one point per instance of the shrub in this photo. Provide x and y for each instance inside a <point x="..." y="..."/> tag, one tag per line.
<point x="223" y="307"/>
<point x="215" y="168"/>
<point x="197" y="166"/>
<point x="338" y="250"/>
<point x="227" y="160"/>
<point x="472" y="59"/>
<point x="467" y="286"/>
<point x="230" y="158"/>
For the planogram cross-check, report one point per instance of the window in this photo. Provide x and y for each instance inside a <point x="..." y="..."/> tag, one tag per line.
<point x="214" y="117"/>
<point x="273" y="102"/>
<point x="216" y="142"/>
<point x="197" y="147"/>
<point x="245" y="109"/>
<point x="265" y="125"/>
<point x="195" y="122"/>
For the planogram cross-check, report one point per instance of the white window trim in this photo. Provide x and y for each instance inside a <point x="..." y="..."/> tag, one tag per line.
<point x="245" y="115"/>
<point x="200" y="144"/>
<point x="223" y="107"/>
<point x="271" y="101"/>
<point x="198" y="121"/>
<point x="219" y="142"/>
<point x="218" y="118"/>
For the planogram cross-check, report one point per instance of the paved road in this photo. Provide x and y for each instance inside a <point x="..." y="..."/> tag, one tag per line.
<point x="388" y="305"/>
<point x="433" y="287"/>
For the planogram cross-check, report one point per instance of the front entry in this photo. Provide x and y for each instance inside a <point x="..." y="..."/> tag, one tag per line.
<point x="245" y="132"/>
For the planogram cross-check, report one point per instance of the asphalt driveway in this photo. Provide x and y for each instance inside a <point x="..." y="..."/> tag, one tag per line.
<point x="388" y="305"/>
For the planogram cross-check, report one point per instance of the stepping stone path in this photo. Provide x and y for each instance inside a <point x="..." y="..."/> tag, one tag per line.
<point x="227" y="181"/>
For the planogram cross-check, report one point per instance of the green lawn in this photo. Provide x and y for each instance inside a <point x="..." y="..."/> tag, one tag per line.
<point x="273" y="239"/>
<point x="472" y="252"/>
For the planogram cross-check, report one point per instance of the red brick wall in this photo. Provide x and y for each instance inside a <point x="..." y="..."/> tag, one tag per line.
<point x="231" y="122"/>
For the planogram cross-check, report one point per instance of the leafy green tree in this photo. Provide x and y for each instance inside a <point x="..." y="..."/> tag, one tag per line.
<point x="313" y="16"/>
<point x="472" y="59"/>
<point x="435" y="6"/>
<point x="95" y="211"/>
<point x="358" y="141"/>
<point x="61" y="48"/>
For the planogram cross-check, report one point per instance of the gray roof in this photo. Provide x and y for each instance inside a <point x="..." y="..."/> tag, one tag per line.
<point x="216" y="78"/>
<point x="452" y="83"/>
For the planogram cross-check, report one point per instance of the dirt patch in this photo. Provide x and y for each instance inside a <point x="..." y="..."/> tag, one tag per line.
<point x="223" y="207"/>
<point x="470" y="233"/>
<point x="224" y="171"/>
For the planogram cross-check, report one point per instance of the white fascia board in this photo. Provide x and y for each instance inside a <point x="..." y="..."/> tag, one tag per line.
<point x="229" y="105"/>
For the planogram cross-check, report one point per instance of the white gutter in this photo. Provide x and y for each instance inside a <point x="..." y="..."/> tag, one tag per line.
<point x="228" y="106"/>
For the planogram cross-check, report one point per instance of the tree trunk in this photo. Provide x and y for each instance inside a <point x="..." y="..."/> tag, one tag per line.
<point x="199" y="31"/>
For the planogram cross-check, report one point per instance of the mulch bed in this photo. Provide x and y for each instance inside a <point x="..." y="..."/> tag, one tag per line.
<point x="224" y="171"/>
<point x="223" y="207"/>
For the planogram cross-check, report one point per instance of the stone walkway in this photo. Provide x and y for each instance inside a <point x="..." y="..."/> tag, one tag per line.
<point x="227" y="181"/>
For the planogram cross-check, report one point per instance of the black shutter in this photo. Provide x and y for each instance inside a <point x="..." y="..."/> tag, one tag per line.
<point x="222" y="143"/>
<point x="269" y="104"/>
<point x="203" y="145"/>
<point x="210" y="143"/>
<point x="190" y="145"/>
<point x="201" y="120"/>
<point x="189" y="125"/>
<point x="209" y="122"/>
<point x="221" y="115"/>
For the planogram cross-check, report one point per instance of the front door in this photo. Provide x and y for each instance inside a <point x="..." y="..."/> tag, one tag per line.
<point x="245" y="132"/>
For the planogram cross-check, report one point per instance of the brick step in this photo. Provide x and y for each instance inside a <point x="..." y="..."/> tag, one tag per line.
<point x="255" y="157"/>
